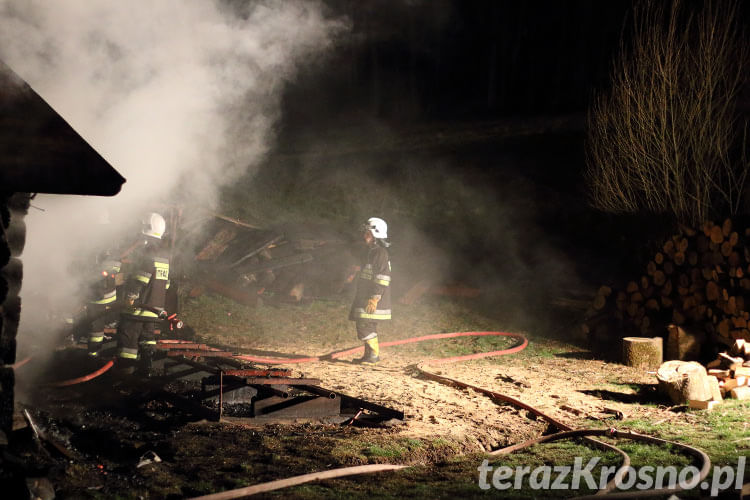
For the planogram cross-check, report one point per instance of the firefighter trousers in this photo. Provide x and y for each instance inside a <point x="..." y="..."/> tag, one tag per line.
<point x="135" y="336"/>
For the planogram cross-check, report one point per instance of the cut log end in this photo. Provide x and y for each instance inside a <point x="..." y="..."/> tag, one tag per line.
<point x="683" y="381"/>
<point x="642" y="352"/>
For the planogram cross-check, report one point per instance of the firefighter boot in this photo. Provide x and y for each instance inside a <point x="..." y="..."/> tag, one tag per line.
<point x="123" y="368"/>
<point x="95" y="342"/>
<point x="145" y="362"/>
<point x="372" y="352"/>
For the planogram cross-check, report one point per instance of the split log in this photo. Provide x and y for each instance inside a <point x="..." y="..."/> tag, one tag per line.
<point x="730" y="384"/>
<point x="297" y="292"/>
<point x="715" y="389"/>
<point x="703" y="405"/>
<point x="730" y="362"/>
<point x="683" y="381"/>
<point x="270" y="265"/>
<point x="257" y="250"/>
<point x="738" y="348"/>
<point x="642" y="352"/>
<point x="217" y="244"/>
<point x="684" y="344"/>
<point x="741" y="392"/>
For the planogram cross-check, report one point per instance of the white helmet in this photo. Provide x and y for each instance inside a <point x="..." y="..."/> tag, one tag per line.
<point x="154" y="225"/>
<point x="377" y="227"/>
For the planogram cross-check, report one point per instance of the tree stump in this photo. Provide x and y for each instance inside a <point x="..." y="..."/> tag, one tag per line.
<point x="683" y="381"/>
<point x="642" y="352"/>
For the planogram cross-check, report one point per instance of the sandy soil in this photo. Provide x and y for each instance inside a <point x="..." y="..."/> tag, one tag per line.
<point x="569" y="389"/>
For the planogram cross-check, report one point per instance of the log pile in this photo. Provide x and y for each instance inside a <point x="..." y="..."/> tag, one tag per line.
<point x="689" y="382"/>
<point x="732" y="369"/>
<point x="698" y="279"/>
<point x="289" y="265"/>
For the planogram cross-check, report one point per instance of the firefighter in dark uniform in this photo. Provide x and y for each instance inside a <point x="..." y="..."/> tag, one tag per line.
<point x="372" y="301"/>
<point x="146" y="290"/>
<point x="104" y="309"/>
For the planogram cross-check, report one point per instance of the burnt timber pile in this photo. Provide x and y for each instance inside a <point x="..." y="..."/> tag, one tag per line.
<point x="699" y="279"/>
<point x="243" y="262"/>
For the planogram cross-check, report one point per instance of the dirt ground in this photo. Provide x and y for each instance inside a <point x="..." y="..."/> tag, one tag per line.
<point x="566" y="387"/>
<point x="106" y="427"/>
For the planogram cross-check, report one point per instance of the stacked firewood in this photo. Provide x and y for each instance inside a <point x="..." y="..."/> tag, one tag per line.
<point x="732" y="369"/>
<point x="699" y="278"/>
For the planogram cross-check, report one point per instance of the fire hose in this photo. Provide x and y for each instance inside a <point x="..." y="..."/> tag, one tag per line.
<point x="567" y="431"/>
<point x="699" y="454"/>
<point x="85" y="378"/>
<point x="172" y="319"/>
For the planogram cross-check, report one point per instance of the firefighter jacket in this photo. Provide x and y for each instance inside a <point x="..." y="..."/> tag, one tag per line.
<point x="104" y="290"/>
<point x="374" y="279"/>
<point x="147" y="285"/>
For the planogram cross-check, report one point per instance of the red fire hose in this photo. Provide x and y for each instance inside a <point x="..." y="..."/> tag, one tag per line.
<point x="356" y="350"/>
<point x="85" y="378"/>
<point x="522" y="343"/>
<point x="19" y="364"/>
<point x="72" y="381"/>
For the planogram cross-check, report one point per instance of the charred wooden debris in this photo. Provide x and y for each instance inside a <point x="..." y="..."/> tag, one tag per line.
<point x="282" y="265"/>
<point x="233" y="390"/>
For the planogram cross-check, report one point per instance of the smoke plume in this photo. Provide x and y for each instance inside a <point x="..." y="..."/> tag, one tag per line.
<point x="181" y="97"/>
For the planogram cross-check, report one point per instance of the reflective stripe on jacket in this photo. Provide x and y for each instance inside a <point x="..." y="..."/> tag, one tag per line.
<point x="374" y="279"/>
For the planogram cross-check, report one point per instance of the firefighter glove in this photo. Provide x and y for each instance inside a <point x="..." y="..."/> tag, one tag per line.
<point x="372" y="304"/>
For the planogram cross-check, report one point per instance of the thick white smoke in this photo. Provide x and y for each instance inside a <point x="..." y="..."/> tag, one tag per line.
<point x="172" y="93"/>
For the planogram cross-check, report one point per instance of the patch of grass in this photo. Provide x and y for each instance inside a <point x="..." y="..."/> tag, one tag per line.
<point x="387" y="451"/>
<point x="720" y="432"/>
<point x="349" y="452"/>
<point x="413" y="443"/>
<point x="619" y="383"/>
<point x="211" y="314"/>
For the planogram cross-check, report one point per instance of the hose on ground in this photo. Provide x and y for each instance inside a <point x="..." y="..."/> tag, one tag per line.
<point x="412" y="340"/>
<point x="699" y="454"/>
<point x="85" y="378"/>
<point x="72" y="381"/>
<point x="19" y="364"/>
<point x="296" y="480"/>
<point x="611" y="485"/>
<point x="567" y="431"/>
<point x="522" y="343"/>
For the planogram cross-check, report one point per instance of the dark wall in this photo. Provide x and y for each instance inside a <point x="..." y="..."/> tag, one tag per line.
<point x="13" y="208"/>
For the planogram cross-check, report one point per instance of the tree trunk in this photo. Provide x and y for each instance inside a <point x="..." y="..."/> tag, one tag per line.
<point x="642" y="352"/>
<point x="684" y="345"/>
<point x="683" y="381"/>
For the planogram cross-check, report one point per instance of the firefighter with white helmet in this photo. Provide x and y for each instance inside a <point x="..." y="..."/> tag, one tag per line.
<point x="372" y="301"/>
<point x="146" y="291"/>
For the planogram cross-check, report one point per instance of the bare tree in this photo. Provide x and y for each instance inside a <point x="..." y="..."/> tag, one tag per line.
<point x="667" y="137"/>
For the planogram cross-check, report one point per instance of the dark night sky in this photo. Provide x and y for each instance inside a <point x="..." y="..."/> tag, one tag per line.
<point x="446" y="60"/>
<point x="455" y="62"/>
